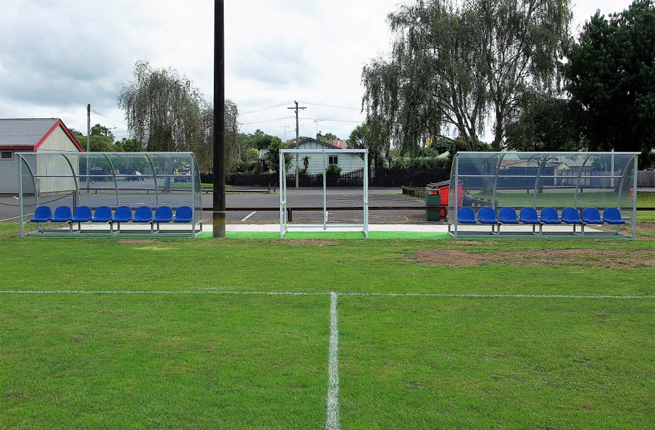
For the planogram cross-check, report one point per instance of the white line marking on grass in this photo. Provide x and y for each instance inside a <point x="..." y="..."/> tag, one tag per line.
<point x="246" y="218"/>
<point x="240" y="293"/>
<point x="496" y="296"/>
<point x="294" y="293"/>
<point x="333" y="369"/>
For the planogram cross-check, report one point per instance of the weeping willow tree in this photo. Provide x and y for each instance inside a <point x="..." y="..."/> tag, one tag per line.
<point x="456" y="66"/>
<point x="166" y="112"/>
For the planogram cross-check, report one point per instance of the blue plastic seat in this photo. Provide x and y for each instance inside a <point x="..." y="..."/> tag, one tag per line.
<point x="572" y="216"/>
<point x="142" y="214"/>
<point x="613" y="216"/>
<point x="81" y="214"/>
<point x="42" y="214"/>
<point x="487" y="215"/>
<point x="183" y="214"/>
<point x="550" y="216"/>
<point x="62" y="214"/>
<point x="508" y="216"/>
<point x="102" y="214"/>
<point x="122" y="214"/>
<point x="465" y="215"/>
<point x="529" y="216"/>
<point x="163" y="214"/>
<point x="591" y="216"/>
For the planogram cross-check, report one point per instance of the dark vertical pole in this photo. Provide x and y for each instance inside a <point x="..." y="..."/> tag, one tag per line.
<point x="218" y="214"/>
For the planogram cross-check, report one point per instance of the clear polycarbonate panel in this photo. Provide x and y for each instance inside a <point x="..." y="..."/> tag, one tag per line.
<point x="543" y="179"/>
<point x="110" y="179"/>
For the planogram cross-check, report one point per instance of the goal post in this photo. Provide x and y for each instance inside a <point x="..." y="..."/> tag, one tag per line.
<point x="318" y="161"/>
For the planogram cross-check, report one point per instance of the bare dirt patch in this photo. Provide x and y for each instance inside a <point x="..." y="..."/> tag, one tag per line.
<point x="136" y="241"/>
<point x="310" y="242"/>
<point x="611" y="259"/>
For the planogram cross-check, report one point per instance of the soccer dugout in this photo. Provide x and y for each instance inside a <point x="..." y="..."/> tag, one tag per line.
<point x="543" y="194"/>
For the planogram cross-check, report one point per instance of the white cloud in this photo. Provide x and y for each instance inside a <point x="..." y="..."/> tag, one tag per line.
<point x="58" y="56"/>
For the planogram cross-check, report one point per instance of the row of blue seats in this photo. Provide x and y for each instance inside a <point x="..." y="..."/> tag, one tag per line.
<point x="548" y="216"/>
<point x="103" y="214"/>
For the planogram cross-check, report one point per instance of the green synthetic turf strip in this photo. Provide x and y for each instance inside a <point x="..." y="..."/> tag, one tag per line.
<point x="331" y="235"/>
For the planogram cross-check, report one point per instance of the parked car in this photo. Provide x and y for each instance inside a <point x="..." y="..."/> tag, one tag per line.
<point x="182" y="176"/>
<point x="137" y="176"/>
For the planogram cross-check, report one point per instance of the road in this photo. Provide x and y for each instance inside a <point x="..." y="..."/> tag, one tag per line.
<point x="255" y="198"/>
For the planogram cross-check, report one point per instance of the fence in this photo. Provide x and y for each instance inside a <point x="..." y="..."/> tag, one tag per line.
<point x="646" y="179"/>
<point x="378" y="178"/>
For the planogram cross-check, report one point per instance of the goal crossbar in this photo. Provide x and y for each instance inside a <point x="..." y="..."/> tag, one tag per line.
<point x="284" y="218"/>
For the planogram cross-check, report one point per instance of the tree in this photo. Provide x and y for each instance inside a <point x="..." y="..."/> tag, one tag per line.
<point x="364" y="136"/>
<point x="273" y="156"/>
<point x="457" y="64"/>
<point x="546" y="123"/>
<point x="101" y="140"/>
<point x="167" y="113"/>
<point x="611" y="78"/>
<point x="327" y="137"/>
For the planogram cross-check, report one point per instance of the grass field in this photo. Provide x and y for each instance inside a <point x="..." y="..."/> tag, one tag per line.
<point x="238" y="334"/>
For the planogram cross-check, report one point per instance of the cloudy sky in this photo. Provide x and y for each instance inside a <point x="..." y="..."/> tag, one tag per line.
<point x="57" y="56"/>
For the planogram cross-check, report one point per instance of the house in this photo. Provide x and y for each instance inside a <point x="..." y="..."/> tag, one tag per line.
<point x="348" y="162"/>
<point x="29" y="135"/>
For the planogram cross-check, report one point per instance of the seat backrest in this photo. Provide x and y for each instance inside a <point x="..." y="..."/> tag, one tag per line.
<point x="591" y="214"/>
<point x="123" y="212"/>
<point x="82" y="213"/>
<point x="143" y="213"/>
<point x="62" y="213"/>
<point x="570" y="214"/>
<point x="103" y="213"/>
<point x="163" y="214"/>
<point x="549" y="214"/>
<point x="465" y="215"/>
<point x="487" y="214"/>
<point x="507" y="215"/>
<point x="612" y="214"/>
<point x="43" y="212"/>
<point x="183" y="214"/>
<point x="529" y="215"/>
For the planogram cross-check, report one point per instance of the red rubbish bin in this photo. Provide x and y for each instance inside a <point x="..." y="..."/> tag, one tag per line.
<point x="444" y="188"/>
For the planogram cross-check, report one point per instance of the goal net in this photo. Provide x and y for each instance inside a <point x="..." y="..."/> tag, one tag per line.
<point x="322" y="167"/>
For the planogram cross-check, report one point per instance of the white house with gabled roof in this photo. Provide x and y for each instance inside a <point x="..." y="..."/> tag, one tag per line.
<point x="29" y="135"/>
<point x="348" y="162"/>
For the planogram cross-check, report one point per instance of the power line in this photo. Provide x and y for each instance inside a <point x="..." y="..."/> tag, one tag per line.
<point x="267" y="120"/>
<point x="331" y="106"/>
<point x="108" y="117"/>
<point x="263" y="109"/>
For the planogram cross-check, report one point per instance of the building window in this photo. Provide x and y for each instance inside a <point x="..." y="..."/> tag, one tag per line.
<point x="333" y="159"/>
<point x="7" y="155"/>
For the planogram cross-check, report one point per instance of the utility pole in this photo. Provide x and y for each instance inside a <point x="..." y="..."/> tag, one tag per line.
<point x="297" y="109"/>
<point x="218" y="209"/>
<point x="88" y="143"/>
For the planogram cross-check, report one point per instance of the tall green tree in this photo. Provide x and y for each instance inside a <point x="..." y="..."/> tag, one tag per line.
<point x="167" y="113"/>
<point x="368" y="136"/>
<point x="456" y="65"/>
<point x="611" y="77"/>
<point x="273" y="155"/>
<point x="546" y="123"/>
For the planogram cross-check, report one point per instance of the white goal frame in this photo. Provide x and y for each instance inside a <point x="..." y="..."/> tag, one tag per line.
<point x="284" y="218"/>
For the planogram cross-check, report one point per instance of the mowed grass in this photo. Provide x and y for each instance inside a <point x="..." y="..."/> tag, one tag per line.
<point x="186" y="352"/>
